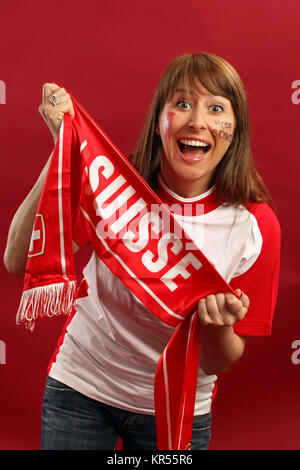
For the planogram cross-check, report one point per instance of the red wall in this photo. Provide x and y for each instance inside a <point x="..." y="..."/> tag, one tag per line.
<point x="110" y="56"/>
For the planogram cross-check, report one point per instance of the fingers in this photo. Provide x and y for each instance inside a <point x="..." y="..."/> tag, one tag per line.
<point x="64" y="105"/>
<point x="222" y="309"/>
<point x="245" y="300"/>
<point x="203" y="314"/>
<point x="212" y="310"/>
<point x="237" y="307"/>
<point x="48" y="90"/>
<point x="54" y="114"/>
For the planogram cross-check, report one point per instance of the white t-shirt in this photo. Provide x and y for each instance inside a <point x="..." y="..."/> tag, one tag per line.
<point x="112" y="342"/>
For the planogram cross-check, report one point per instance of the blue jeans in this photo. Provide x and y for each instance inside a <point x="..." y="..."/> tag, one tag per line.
<point x="73" y="421"/>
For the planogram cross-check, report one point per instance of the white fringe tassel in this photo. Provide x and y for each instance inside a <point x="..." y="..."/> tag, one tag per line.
<point x="46" y="301"/>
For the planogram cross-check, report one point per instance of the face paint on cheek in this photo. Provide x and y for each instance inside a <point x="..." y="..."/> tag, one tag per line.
<point x="222" y="134"/>
<point x="223" y="124"/>
<point x="166" y="124"/>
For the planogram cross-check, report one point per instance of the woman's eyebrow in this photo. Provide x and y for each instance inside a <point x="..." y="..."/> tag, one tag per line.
<point x="195" y="93"/>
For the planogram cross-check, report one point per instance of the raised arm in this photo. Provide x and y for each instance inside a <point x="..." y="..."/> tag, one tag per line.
<point x="20" y="230"/>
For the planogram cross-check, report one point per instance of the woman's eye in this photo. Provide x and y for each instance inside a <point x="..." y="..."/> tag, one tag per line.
<point x="216" y="108"/>
<point x="183" y="104"/>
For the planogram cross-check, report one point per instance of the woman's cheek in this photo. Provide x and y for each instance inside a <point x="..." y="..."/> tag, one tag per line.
<point x="223" y="131"/>
<point x="166" y="124"/>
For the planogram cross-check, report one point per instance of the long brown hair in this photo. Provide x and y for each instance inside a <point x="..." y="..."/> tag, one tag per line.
<point x="235" y="178"/>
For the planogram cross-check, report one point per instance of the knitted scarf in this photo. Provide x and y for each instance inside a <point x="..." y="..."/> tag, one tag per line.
<point x="139" y="240"/>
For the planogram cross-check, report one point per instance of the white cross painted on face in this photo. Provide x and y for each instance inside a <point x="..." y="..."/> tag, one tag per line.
<point x="36" y="235"/>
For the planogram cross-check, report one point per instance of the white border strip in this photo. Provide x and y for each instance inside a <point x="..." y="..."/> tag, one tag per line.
<point x="83" y="145"/>
<point x="60" y="205"/>
<point x="166" y="381"/>
<point x="181" y="421"/>
<point x="186" y="365"/>
<point x="168" y="411"/>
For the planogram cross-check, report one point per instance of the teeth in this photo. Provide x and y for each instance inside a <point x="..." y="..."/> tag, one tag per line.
<point x="194" y="143"/>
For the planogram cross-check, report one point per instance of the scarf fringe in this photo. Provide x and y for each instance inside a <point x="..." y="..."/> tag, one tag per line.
<point x="46" y="301"/>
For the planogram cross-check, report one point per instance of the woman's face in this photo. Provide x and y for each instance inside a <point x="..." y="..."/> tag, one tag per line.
<point x="196" y="129"/>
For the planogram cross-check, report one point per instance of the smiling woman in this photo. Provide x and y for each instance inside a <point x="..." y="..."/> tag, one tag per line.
<point x="191" y="150"/>
<point x="194" y="152"/>
<point x="202" y="90"/>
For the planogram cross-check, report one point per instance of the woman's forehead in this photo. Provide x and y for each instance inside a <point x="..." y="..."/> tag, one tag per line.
<point x="195" y="89"/>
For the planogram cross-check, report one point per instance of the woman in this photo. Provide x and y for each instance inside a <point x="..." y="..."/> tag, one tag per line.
<point x="195" y="153"/>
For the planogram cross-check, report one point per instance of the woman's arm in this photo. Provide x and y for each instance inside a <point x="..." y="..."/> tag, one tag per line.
<point x="220" y="346"/>
<point x="20" y="230"/>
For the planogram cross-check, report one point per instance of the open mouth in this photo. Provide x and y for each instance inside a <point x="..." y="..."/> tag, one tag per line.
<point x="193" y="148"/>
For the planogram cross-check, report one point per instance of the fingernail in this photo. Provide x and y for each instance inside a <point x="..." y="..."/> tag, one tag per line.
<point x="241" y="292"/>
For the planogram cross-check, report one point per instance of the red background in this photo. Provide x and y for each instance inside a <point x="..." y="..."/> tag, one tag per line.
<point x="110" y="56"/>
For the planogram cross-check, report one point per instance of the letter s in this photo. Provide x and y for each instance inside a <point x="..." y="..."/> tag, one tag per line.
<point x="143" y="226"/>
<point x="98" y="162"/>
<point x="162" y="260"/>
<point x="295" y="96"/>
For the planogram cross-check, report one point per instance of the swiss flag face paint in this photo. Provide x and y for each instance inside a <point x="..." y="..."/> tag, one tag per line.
<point x="196" y="129"/>
<point x="167" y="119"/>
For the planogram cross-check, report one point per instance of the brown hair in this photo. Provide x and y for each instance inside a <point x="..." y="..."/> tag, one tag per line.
<point x="235" y="178"/>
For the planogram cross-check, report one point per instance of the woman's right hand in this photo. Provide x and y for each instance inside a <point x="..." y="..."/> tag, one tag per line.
<point x="53" y="115"/>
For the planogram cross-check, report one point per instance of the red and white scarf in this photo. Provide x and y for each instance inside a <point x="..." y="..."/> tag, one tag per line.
<point x="164" y="269"/>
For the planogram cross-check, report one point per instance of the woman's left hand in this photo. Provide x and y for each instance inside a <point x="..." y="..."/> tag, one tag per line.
<point x="223" y="309"/>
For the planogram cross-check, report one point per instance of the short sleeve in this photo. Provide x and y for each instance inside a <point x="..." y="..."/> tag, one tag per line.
<point x="260" y="281"/>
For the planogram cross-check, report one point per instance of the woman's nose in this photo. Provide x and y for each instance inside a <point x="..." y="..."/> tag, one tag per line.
<point x="197" y="120"/>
